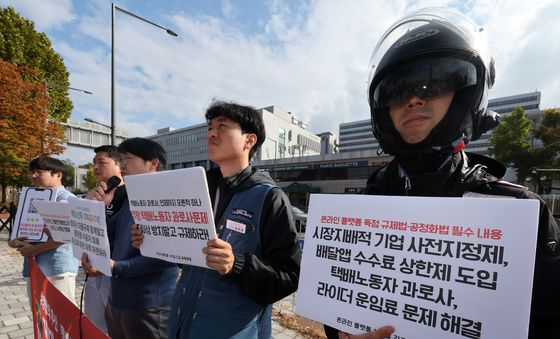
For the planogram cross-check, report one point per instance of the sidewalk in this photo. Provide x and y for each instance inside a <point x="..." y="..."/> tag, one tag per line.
<point x="15" y="315"/>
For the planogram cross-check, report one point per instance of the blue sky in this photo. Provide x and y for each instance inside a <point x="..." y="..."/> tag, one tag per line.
<point x="307" y="57"/>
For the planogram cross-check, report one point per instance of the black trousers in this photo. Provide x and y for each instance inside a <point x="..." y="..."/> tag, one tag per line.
<point x="137" y="324"/>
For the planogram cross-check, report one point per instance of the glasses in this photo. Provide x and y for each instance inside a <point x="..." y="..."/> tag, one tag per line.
<point x="38" y="172"/>
<point x="128" y="156"/>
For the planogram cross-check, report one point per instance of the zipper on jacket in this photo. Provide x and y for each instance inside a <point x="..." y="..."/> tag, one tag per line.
<point x="407" y="185"/>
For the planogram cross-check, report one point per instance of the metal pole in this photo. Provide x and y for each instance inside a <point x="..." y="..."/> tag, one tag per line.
<point x="170" y="32"/>
<point x="67" y="87"/>
<point x="113" y="10"/>
<point x="113" y="141"/>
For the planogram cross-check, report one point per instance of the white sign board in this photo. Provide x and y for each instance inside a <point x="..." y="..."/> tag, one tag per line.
<point x="28" y="222"/>
<point x="89" y="232"/>
<point x="431" y="267"/>
<point x="173" y="210"/>
<point x="56" y="216"/>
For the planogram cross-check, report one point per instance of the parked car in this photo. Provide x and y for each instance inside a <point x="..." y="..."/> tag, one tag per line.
<point x="300" y="218"/>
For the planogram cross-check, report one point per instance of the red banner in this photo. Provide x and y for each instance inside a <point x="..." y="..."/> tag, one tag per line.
<point x="54" y="316"/>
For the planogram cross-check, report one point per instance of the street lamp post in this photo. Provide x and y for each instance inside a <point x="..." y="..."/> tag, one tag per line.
<point x="113" y="11"/>
<point x="67" y="87"/>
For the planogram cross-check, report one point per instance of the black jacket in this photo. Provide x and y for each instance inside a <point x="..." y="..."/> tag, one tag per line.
<point x="274" y="274"/>
<point x="480" y="174"/>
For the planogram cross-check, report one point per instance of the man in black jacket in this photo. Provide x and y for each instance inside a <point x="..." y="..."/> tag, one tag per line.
<point x="428" y="91"/>
<point x="255" y="259"/>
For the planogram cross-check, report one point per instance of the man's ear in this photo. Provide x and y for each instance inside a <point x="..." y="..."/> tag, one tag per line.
<point x="58" y="177"/>
<point x="251" y="140"/>
<point x="154" y="164"/>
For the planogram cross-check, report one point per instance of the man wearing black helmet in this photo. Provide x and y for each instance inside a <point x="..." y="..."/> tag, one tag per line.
<point x="428" y="88"/>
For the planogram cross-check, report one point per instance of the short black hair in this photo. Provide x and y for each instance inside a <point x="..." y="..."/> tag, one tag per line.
<point x="112" y="152"/>
<point x="144" y="148"/>
<point x="48" y="164"/>
<point x="247" y="117"/>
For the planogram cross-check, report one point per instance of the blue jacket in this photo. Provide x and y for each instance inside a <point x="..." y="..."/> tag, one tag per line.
<point x="207" y="305"/>
<point x="138" y="282"/>
<point x="59" y="260"/>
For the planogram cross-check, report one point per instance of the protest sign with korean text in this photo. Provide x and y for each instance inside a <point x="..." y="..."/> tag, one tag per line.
<point x="173" y="210"/>
<point x="28" y="222"/>
<point x="431" y="267"/>
<point x="89" y="232"/>
<point x="56" y="216"/>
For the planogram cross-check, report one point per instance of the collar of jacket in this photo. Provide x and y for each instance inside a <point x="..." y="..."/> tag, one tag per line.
<point x="235" y="179"/>
<point x="466" y="171"/>
<point x="249" y="177"/>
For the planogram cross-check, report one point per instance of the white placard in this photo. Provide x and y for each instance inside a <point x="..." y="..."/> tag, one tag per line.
<point x="28" y="222"/>
<point x="56" y="216"/>
<point x="89" y="232"/>
<point x="173" y="210"/>
<point x="431" y="267"/>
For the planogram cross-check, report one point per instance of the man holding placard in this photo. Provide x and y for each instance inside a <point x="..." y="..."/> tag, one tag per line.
<point x="428" y="92"/>
<point x="141" y="287"/>
<point x="106" y="164"/>
<point x="255" y="259"/>
<point x="54" y="258"/>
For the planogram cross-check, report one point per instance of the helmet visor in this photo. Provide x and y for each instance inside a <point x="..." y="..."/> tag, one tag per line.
<point x="425" y="78"/>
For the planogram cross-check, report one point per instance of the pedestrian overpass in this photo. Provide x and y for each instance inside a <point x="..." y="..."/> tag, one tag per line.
<point x="90" y="134"/>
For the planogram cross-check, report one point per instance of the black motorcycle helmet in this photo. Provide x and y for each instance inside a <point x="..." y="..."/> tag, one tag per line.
<point x="427" y="53"/>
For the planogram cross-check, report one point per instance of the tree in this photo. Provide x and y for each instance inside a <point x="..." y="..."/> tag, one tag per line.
<point x="549" y="129"/>
<point x="21" y="45"/>
<point x="510" y="142"/>
<point x="70" y="173"/>
<point x="548" y="132"/>
<point x="25" y="129"/>
<point x="90" y="181"/>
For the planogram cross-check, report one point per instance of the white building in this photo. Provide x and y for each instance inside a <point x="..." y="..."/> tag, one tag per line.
<point x="356" y="136"/>
<point x="286" y="137"/>
<point x="329" y="144"/>
<point x="185" y="147"/>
